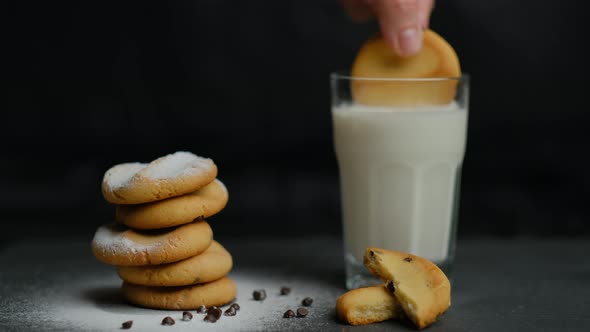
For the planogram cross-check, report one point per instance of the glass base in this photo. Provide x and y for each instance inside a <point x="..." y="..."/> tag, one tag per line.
<point x="358" y="276"/>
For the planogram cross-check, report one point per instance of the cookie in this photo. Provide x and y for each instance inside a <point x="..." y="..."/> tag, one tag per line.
<point x="215" y="293"/>
<point x="420" y="287"/>
<point x="375" y="59"/>
<point x="200" y="204"/>
<point x="169" y="176"/>
<point x="212" y="264"/>
<point x="368" y="305"/>
<point x="119" y="245"/>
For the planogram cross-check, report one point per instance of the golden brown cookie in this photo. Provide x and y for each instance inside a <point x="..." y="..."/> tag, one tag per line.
<point x="169" y="176"/>
<point x="420" y="287"/>
<point x="119" y="245"/>
<point x="212" y="264"/>
<point x="376" y="59"/>
<point x="215" y="293"/>
<point x="200" y="204"/>
<point x="368" y="305"/>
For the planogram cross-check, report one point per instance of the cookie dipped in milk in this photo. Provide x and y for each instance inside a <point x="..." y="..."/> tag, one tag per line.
<point x="400" y="134"/>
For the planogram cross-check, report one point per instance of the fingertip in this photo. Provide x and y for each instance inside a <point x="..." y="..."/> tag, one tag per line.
<point x="408" y="42"/>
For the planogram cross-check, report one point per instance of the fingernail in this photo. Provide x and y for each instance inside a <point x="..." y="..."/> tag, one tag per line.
<point x="409" y="41"/>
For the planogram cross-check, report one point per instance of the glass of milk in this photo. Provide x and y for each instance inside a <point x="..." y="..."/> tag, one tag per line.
<point x="400" y="166"/>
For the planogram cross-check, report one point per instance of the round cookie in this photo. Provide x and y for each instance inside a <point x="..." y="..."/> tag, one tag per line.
<point x="212" y="264"/>
<point x="200" y="204"/>
<point x="118" y="245"/>
<point x="169" y="176"/>
<point x="392" y="76"/>
<point x="215" y="293"/>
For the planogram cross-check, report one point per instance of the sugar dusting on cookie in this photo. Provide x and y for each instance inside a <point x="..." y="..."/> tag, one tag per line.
<point x="120" y="175"/>
<point x="110" y="238"/>
<point x="176" y="164"/>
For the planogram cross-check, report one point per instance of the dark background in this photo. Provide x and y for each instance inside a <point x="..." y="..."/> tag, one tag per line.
<point x="90" y="84"/>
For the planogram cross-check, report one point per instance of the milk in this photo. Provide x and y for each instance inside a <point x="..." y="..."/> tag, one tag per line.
<point x="399" y="176"/>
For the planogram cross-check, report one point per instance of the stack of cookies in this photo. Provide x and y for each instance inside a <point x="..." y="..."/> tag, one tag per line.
<point x="161" y="243"/>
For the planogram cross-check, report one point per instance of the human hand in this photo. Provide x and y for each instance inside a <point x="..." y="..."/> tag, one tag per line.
<point x="401" y="21"/>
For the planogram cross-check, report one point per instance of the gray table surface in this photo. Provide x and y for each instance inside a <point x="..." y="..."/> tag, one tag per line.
<point x="498" y="285"/>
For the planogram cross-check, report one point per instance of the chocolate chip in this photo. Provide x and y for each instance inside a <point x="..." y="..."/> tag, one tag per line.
<point x="259" y="295"/>
<point x="210" y="318"/>
<point x="202" y="309"/>
<point x="236" y="306"/>
<point x="231" y="311"/>
<point x="408" y="259"/>
<point x="168" y="321"/>
<point x="216" y="312"/>
<point x="302" y="312"/>
<point x="285" y="290"/>
<point x="187" y="315"/>
<point x="307" y="301"/>
<point x="289" y="314"/>
<point x="127" y="325"/>
<point x="391" y="286"/>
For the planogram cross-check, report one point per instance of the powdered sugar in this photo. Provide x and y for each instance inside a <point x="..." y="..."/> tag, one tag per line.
<point x="177" y="164"/>
<point x="120" y="175"/>
<point x="111" y="238"/>
<point x="57" y="285"/>
<point x="168" y="167"/>
<point x="102" y="307"/>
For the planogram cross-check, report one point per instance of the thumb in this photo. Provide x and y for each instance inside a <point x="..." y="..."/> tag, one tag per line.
<point x="401" y="23"/>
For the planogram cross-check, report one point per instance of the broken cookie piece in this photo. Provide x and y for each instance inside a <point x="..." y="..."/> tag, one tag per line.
<point x="368" y="305"/>
<point x="418" y="285"/>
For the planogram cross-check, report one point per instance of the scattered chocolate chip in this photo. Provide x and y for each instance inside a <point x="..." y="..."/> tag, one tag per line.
<point x="202" y="309"/>
<point x="210" y="318"/>
<point x="259" y="295"/>
<point x="289" y="314"/>
<point x="236" y="306"/>
<point x="408" y="259"/>
<point x="168" y="321"/>
<point x="215" y="312"/>
<point x="285" y="290"/>
<point x="390" y="286"/>
<point x="187" y="315"/>
<point x="302" y="312"/>
<point x="127" y="325"/>
<point x="231" y="311"/>
<point x="307" y="301"/>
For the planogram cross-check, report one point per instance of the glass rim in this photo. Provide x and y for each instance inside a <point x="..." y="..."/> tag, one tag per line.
<point x="345" y="75"/>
